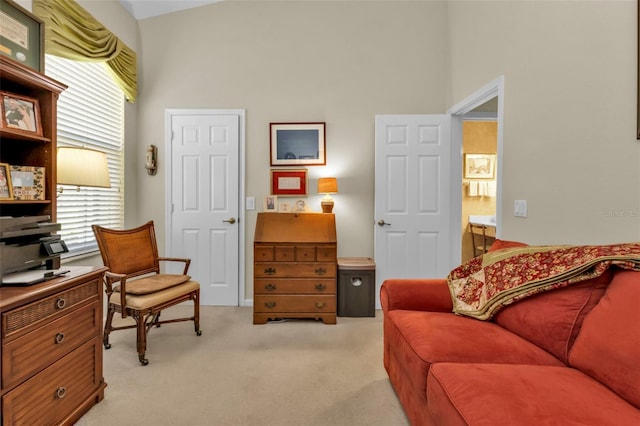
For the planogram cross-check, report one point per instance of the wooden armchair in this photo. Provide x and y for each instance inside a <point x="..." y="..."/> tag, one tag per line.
<point x="133" y="253"/>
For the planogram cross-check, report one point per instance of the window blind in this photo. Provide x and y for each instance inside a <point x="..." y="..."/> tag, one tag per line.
<point x="90" y="115"/>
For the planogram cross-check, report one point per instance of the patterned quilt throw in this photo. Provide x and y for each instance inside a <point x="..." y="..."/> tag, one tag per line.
<point x="482" y="286"/>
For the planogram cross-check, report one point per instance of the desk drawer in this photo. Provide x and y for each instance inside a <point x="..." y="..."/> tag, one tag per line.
<point x="28" y="317"/>
<point x="296" y="286"/>
<point x="295" y="303"/>
<point x="293" y="269"/>
<point x="54" y="393"/>
<point x="30" y="353"/>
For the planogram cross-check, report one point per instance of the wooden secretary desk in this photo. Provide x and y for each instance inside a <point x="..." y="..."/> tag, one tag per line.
<point x="295" y="267"/>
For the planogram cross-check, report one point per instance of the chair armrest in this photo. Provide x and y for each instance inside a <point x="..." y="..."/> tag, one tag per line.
<point x="187" y="262"/>
<point x="416" y="295"/>
<point x="109" y="279"/>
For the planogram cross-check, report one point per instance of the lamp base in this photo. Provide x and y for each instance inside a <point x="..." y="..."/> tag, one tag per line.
<point x="327" y="206"/>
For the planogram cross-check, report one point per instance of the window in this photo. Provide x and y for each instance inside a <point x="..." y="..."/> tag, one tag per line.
<point x="91" y="115"/>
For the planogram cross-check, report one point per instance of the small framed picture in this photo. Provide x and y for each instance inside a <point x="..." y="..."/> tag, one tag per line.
<point x="479" y="166"/>
<point x="289" y="183"/>
<point x="298" y="144"/>
<point x="27" y="182"/>
<point x="271" y="204"/>
<point x="285" y="207"/>
<point x="20" y="113"/>
<point x="300" y="206"/>
<point x="6" y="190"/>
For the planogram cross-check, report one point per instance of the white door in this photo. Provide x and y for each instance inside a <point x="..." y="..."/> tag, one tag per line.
<point x="204" y="199"/>
<point x="412" y="202"/>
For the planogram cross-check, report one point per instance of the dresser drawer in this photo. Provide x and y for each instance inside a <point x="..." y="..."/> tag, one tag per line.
<point x="263" y="253"/>
<point x="327" y="254"/>
<point x="32" y="352"/>
<point x="55" y="392"/>
<point x="297" y="270"/>
<point x="29" y="317"/>
<point x="284" y="253"/>
<point x="296" y="286"/>
<point x="294" y="303"/>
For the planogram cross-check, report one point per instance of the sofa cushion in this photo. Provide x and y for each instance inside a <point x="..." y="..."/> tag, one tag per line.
<point x="553" y="319"/>
<point x="420" y="339"/>
<point x="501" y="394"/>
<point x="499" y="244"/>
<point x="608" y="346"/>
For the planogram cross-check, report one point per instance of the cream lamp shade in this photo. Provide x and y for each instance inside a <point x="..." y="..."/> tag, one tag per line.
<point x="328" y="185"/>
<point x="82" y="167"/>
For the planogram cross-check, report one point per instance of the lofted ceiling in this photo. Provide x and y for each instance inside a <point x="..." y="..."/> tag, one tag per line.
<point x="141" y="9"/>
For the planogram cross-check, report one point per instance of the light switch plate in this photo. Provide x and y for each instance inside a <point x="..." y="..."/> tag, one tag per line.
<point x="520" y="208"/>
<point x="250" y="203"/>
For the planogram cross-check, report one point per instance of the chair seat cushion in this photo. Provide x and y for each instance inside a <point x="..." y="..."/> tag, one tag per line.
<point x="154" y="283"/>
<point x="146" y="301"/>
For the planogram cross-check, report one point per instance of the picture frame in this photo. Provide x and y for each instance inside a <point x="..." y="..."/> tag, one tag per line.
<point x="479" y="166"/>
<point x="270" y="204"/>
<point x="28" y="182"/>
<point x="300" y="206"/>
<point x="6" y="190"/>
<point x="289" y="183"/>
<point x="21" y="35"/>
<point x="20" y="113"/>
<point x="298" y="144"/>
<point x="284" y="207"/>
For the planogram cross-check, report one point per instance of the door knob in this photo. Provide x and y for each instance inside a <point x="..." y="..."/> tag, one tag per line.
<point x="231" y="220"/>
<point x="381" y="222"/>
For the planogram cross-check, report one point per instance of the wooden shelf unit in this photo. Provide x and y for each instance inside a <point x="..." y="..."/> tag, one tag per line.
<point x="20" y="148"/>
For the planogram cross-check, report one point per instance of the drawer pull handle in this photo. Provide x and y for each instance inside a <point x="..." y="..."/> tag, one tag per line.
<point x="270" y="305"/>
<point x="269" y="271"/>
<point x="321" y="287"/>
<point x="59" y="338"/>
<point x="270" y="287"/>
<point x="61" y="392"/>
<point x="320" y="305"/>
<point x="321" y="271"/>
<point x="60" y="303"/>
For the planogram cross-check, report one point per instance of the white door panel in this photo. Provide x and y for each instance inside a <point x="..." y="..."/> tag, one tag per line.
<point x="412" y="204"/>
<point x="205" y="202"/>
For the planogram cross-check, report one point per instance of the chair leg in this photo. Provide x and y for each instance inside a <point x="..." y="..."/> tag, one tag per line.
<point x="107" y="327"/>
<point x="196" y="312"/>
<point x="141" y="336"/>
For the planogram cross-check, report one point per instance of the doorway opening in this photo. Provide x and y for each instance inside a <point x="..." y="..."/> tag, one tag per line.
<point x="477" y="179"/>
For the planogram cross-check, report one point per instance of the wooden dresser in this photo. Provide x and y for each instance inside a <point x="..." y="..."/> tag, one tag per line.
<point x="51" y="365"/>
<point x="295" y="267"/>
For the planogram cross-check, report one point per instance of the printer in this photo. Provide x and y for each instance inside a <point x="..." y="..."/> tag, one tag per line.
<point x="29" y="242"/>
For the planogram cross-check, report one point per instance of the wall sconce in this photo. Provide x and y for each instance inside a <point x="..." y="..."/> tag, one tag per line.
<point x="327" y="186"/>
<point x="151" y="160"/>
<point x="82" y="167"/>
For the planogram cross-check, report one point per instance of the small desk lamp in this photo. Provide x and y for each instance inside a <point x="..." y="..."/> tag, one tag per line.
<point x="82" y="167"/>
<point x="327" y="186"/>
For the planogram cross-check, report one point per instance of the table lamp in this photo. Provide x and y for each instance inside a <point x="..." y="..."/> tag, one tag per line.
<point x="328" y="185"/>
<point x="82" y="167"/>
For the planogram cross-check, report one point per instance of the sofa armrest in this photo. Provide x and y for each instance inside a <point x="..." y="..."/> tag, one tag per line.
<point x="416" y="295"/>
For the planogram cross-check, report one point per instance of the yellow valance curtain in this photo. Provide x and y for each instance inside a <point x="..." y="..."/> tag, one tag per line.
<point x="72" y="33"/>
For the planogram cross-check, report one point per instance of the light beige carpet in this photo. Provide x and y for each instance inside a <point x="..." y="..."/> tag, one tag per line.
<point x="294" y="372"/>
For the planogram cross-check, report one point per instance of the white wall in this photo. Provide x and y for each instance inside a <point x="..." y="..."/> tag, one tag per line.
<point x="570" y="112"/>
<point x="338" y="62"/>
<point x="570" y="97"/>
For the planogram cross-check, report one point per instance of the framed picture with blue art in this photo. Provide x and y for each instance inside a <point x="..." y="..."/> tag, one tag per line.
<point x="298" y="144"/>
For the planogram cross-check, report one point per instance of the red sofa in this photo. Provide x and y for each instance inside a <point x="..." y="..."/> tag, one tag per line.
<point x="570" y="356"/>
